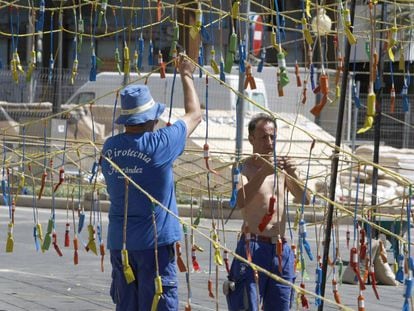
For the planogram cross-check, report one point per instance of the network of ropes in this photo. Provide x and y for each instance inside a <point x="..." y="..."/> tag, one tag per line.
<point x="34" y="165"/>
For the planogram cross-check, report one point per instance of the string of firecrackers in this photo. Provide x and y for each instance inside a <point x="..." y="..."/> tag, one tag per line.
<point x="389" y="116"/>
<point x="146" y="76"/>
<point x="389" y="44"/>
<point x="339" y="63"/>
<point x="311" y="135"/>
<point x="115" y="32"/>
<point x="217" y="243"/>
<point x="299" y="182"/>
<point x="100" y="36"/>
<point x="403" y="180"/>
<point x="40" y="155"/>
<point x="50" y="237"/>
<point x="51" y="234"/>
<point x="357" y="34"/>
<point x="340" y="207"/>
<point x="181" y="180"/>
<point x="75" y="6"/>
<point x="38" y="180"/>
<point x="16" y="62"/>
<point x="231" y="153"/>
<point x="167" y="5"/>
<point x="31" y="160"/>
<point x="255" y="103"/>
<point x="246" y="98"/>
<point x="56" y="153"/>
<point x="392" y="42"/>
<point x="206" y="72"/>
<point x="323" y="25"/>
<point x="104" y="6"/>
<point x="373" y="63"/>
<point x="34" y="140"/>
<point x="89" y="103"/>
<point x="108" y="34"/>
<point x="186" y="177"/>
<point x="373" y="211"/>
<point x="387" y="171"/>
<point x="365" y="209"/>
<point x="252" y="265"/>
<point x="222" y="16"/>
<point x="196" y="153"/>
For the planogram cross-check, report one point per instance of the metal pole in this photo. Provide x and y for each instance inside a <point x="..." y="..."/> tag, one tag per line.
<point x="30" y="42"/>
<point x="240" y="100"/>
<point x="406" y="131"/>
<point x="60" y="53"/>
<point x="349" y="120"/>
<point x="377" y="124"/>
<point x="335" y="160"/>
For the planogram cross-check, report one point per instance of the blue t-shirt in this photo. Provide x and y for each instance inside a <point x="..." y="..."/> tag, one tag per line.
<point x="147" y="158"/>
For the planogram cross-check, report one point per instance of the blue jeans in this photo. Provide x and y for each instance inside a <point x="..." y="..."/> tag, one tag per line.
<point x="273" y="295"/>
<point x="139" y="294"/>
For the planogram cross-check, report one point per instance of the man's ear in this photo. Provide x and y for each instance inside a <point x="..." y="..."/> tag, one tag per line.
<point x="154" y="124"/>
<point x="250" y="138"/>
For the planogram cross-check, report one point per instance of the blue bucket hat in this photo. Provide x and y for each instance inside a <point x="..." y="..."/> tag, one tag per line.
<point x="138" y="106"/>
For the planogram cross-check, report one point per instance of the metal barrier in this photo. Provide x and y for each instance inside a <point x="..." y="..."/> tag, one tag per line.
<point x="40" y="89"/>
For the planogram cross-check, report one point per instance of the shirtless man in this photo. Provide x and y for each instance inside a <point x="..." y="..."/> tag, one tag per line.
<point x="263" y="230"/>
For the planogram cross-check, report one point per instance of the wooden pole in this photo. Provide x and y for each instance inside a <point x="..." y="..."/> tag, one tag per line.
<point x="186" y="17"/>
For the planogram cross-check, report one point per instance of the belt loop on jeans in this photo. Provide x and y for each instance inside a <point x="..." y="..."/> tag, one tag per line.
<point x="261" y="238"/>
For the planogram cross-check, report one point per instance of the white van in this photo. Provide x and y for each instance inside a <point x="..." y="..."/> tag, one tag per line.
<point x="167" y="90"/>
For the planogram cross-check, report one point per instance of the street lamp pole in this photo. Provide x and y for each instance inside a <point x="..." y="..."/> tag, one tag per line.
<point x="240" y="106"/>
<point x="60" y="54"/>
<point x="335" y="162"/>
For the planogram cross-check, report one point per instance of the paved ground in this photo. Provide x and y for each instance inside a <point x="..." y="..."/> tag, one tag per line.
<point x="31" y="280"/>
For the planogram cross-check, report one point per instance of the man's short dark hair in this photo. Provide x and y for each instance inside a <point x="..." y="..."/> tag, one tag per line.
<point x="259" y="117"/>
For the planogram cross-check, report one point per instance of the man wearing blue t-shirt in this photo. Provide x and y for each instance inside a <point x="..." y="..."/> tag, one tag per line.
<point x="146" y="156"/>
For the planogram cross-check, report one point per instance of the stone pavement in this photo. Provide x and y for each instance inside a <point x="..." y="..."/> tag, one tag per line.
<point x="31" y="280"/>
